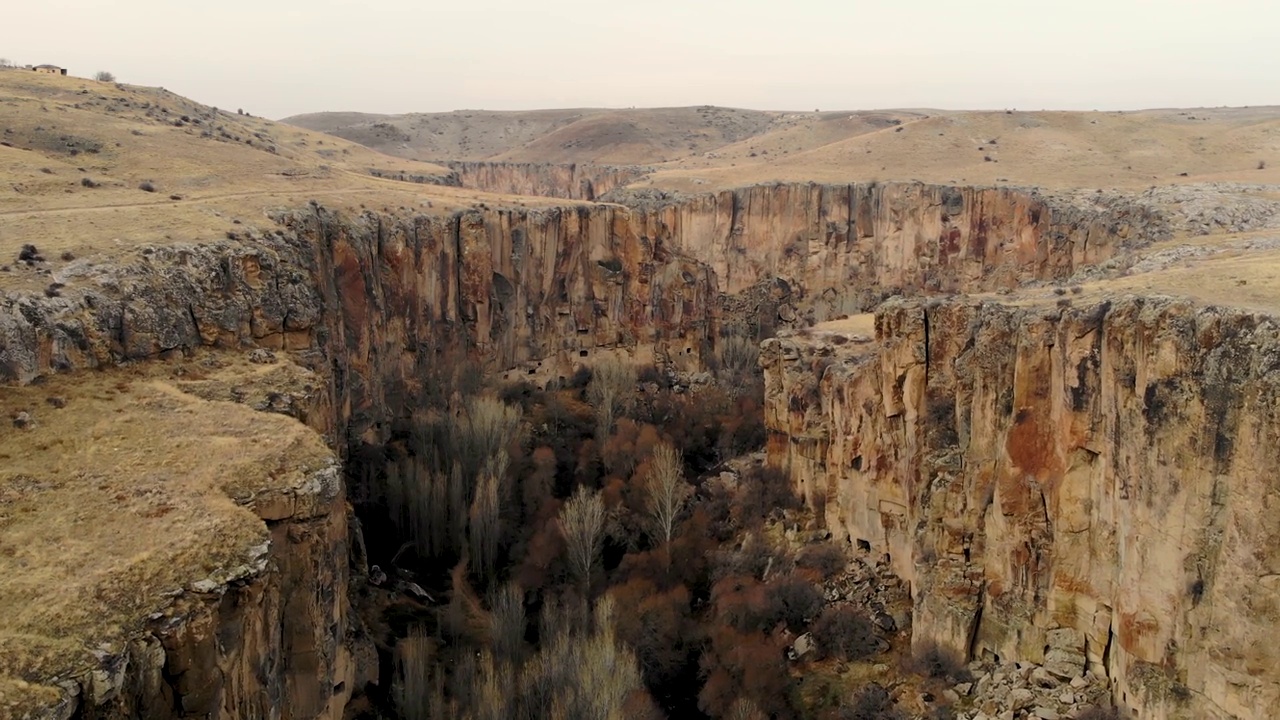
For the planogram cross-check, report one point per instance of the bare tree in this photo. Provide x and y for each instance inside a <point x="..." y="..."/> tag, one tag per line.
<point x="665" y="491"/>
<point x="581" y="675"/>
<point x="419" y="690"/>
<point x="739" y="357"/>
<point x="486" y="427"/>
<point x="5" y="62"/>
<point x="485" y="528"/>
<point x="104" y="76"/>
<point x="611" y="392"/>
<point x="582" y="522"/>
<point x="745" y="709"/>
<point x="507" y="623"/>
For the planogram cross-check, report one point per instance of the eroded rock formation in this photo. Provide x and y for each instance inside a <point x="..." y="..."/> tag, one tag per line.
<point x="847" y="247"/>
<point x="1101" y="474"/>
<point x="573" y="181"/>
<point x="373" y="303"/>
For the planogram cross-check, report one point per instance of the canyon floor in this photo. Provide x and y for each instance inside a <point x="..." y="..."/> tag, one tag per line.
<point x="142" y="477"/>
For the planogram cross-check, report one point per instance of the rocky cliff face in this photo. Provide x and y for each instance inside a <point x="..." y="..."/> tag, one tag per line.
<point x="374" y="299"/>
<point x="1079" y="487"/>
<point x="573" y="181"/>
<point x="846" y="247"/>
<point x="271" y="643"/>
<point x="373" y="304"/>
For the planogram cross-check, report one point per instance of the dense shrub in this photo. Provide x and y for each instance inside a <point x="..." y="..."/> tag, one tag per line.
<point x="745" y="665"/>
<point x="936" y="662"/>
<point x="872" y="703"/>
<point x="658" y="625"/>
<point x="794" y="600"/>
<point x="845" y="633"/>
<point x="826" y="559"/>
<point x="762" y="493"/>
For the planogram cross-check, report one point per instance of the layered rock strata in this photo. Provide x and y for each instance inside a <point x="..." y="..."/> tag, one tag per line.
<point x="1102" y="473"/>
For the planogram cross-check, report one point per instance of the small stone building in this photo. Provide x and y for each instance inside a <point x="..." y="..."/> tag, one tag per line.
<point x="50" y="69"/>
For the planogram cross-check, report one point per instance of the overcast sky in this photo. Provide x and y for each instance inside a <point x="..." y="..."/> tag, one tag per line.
<point x="282" y="57"/>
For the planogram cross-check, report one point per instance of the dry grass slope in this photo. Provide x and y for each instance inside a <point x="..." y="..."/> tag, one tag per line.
<point x="133" y="489"/>
<point x="75" y="155"/>
<point x="701" y="148"/>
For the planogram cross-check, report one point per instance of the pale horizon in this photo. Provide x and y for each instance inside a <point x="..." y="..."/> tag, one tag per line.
<point x="288" y="57"/>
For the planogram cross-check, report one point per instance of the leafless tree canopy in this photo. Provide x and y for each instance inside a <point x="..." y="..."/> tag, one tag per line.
<point x="666" y="491"/>
<point x="611" y="392"/>
<point x="104" y="76"/>
<point x="508" y="623"/>
<point x="582" y="521"/>
<point x="485" y="528"/>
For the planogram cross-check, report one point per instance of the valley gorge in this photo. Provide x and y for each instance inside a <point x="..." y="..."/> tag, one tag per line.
<point x="1077" y="480"/>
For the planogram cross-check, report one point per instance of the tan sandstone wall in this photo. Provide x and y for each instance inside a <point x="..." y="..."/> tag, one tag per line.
<point x="1097" y="479"/>
<point x="376" y="303"/>
<point x="573" y="181"/>
<point x="846" y="247"/>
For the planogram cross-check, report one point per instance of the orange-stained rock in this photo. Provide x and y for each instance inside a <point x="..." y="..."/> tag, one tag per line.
<point x="1031" y="469"/>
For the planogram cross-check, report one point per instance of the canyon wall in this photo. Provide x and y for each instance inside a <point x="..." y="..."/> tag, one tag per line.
<point x="1079" y="487"/>
<point x="847" y="247"/>
<point x="374" y="305"/>
<point x="377" y="304"/>
<point x="373" y="300"/>
<point x="573" y="181"/>
<point x="273" y="642"/>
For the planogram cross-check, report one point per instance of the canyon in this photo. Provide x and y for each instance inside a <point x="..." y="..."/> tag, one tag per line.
<point x="1082" y="478"/>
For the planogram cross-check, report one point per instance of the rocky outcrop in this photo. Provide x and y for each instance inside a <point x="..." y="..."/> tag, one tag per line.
<point x="375" y="299"/>
<point x="185" y="555"/>
<point x="572" y="181"/>
<point x="846" y="247"/>
<point x="269" y="643"/>
<point x="1100" y="473"/>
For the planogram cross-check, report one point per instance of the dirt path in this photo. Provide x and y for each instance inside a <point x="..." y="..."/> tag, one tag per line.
<point x="171" y="203"/>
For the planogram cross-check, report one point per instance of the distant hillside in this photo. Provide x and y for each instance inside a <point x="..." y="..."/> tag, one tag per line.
<point x="707" y="147"/>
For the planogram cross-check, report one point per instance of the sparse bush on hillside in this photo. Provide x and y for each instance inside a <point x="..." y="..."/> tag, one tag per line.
<point x="147" y="186"/>
<point x="1093" y="712"/>
<point x="88" y="182"/>
<point x="104" y="76"/>
<point x="1262" y="164"/>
